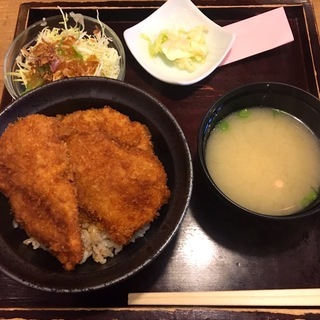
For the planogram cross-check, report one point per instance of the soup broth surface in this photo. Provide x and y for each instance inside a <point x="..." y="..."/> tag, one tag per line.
<point x="265" y="160"/>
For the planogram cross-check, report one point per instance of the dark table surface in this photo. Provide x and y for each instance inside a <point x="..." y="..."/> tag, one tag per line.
<point x="215" y="248"/>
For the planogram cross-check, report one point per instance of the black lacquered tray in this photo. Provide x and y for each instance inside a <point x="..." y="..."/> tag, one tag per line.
<point x="215" y="249"/>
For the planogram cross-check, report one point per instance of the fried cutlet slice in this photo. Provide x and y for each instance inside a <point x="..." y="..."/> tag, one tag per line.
<point x="112" y="123"/>
<point x="35" y="175"/>
<point x="121" y="183"/>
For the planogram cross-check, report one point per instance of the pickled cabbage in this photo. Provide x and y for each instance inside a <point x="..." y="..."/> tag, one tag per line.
<point x="185" y="49"/>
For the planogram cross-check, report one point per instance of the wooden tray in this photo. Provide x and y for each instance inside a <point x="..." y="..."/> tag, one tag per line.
<point x="215" y="249"/>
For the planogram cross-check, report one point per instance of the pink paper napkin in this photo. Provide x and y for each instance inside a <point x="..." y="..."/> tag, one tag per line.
<point x="258" y="34"/>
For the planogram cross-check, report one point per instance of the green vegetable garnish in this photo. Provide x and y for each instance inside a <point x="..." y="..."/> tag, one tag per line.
<point x="276" y="112"/>
<point x="309" y="198"/>
<point x="223" y="125"/>
<point x="244" y="113"/>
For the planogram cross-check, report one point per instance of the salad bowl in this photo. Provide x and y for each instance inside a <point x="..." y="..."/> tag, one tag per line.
<point x="92" y="38"/>
<point x="177" y="15"/>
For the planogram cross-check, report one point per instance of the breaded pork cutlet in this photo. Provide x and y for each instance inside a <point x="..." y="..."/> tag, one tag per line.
<point x="121" y="184"/>
<point x="113" y="124"/>
<point x="35" y="176"/>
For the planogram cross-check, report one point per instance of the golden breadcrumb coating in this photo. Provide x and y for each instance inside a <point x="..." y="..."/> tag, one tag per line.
<point x="120" y="181"/>
<point x="35" y="175"/>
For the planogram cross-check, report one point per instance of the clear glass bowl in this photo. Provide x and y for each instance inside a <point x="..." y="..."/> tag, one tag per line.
<point x="28" y="36"/>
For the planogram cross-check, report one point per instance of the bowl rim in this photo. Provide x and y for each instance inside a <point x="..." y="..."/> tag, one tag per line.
<point x="250" y="87"/>
<point x="114" y="39"/>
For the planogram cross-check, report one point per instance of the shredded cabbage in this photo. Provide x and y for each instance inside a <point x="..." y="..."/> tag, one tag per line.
<point x="67" y="52"/>
<point x="185" y="49"/>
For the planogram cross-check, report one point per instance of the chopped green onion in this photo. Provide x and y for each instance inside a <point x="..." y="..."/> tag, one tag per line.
<point x="276" y="112"/>
<point x="244" y="113"/>
<point x="309" y="198"/>
<point x="223" y="125"/>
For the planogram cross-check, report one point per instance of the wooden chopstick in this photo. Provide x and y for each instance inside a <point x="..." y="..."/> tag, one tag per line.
<point x="273" y="297"/>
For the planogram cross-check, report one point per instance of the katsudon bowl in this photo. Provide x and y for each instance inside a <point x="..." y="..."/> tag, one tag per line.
<point x="38" y="268"/>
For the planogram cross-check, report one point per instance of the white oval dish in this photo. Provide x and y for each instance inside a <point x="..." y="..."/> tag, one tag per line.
<point x="178" y="14"/>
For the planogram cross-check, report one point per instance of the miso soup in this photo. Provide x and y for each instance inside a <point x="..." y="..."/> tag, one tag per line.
<point x="265" y="160"/>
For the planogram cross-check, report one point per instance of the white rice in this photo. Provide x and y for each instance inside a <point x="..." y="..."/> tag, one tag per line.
<point x="96" y="243"/>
